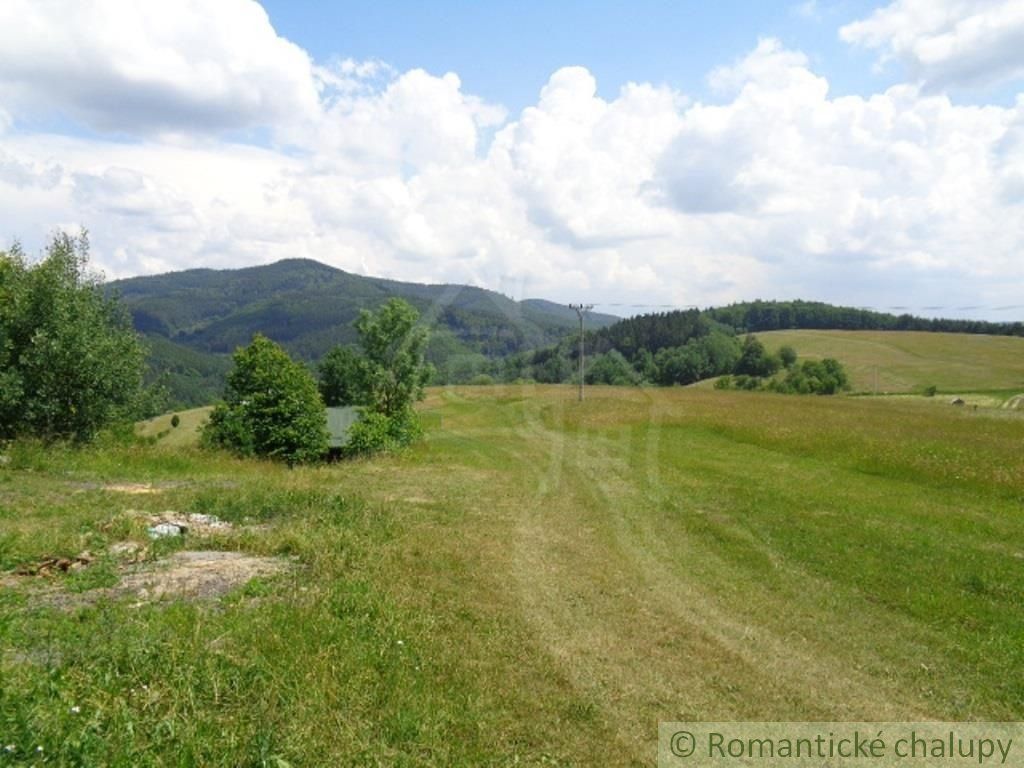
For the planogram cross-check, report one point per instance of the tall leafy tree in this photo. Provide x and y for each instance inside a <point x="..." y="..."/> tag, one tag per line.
<point x="393" y="353"/>
<point x="271" y="407"/>
<point x="70" y="361"/>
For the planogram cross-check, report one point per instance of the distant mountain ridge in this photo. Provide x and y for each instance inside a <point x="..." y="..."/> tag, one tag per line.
<point x="194" y="319"/>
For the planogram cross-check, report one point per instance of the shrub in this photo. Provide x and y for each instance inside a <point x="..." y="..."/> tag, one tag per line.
<point x="175" y="421"/>
<point x="271" y="407"/>
<point x="611" y="368"/>
<point x="787" y="356"/>
<point x="817" y="377"/>
<point x="370" y="435"/>
<point x="377" y="433"/>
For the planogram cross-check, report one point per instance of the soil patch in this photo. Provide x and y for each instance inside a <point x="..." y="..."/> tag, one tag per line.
<point x="186" y="575"/>
<point x="196" y="575"/>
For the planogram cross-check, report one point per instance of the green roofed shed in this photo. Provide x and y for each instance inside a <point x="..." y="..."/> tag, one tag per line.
<point x="339" y="420"/>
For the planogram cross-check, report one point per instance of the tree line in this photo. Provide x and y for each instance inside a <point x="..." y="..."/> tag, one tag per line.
<point x="667" y="349"/>
<point x="756" y="316"/>
<point x="684" y="346"/>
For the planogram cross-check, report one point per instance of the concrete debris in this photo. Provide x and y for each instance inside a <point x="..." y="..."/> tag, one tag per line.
<point x="165" y="530"/>
<point x="169" y="524"/>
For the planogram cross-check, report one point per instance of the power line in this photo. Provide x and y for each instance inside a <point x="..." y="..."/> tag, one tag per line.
<point x="581" y="309"/>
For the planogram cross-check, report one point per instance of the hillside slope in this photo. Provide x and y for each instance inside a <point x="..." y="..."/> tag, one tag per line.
<point x="909" y="361"/>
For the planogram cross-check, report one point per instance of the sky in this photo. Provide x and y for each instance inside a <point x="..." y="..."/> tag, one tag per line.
<point x="644" y="154"/>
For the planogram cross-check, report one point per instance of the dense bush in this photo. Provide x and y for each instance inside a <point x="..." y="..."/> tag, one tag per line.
<point x="377" y="433"/>
<point x="611" y="368"/>
<point x="271" y="407"/>
<point x="814" y="377"/>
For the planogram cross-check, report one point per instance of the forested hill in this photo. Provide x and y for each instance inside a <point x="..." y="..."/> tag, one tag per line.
<point x="755" y="316"/>
<point x="196" y="318"/>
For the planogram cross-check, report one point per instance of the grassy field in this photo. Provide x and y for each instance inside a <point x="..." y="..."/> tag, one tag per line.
<point x="909" y="361"/>
<point x="185" y="434"/>
<point x="539" y="582"/>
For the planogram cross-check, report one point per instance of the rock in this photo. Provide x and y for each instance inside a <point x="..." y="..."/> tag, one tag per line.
<point x="193" y="524"/>
<point x="125" y="548"/>
<point x="165" y="530"/>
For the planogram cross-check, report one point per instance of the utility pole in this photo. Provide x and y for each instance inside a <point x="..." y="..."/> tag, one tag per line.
<point x="580" y="310"/>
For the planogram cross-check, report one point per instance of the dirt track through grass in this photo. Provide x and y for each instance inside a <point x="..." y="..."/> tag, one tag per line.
<point x="617" y="527"/>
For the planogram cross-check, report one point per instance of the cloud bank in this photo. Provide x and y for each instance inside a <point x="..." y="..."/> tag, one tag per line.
<point x="774" y="189"/>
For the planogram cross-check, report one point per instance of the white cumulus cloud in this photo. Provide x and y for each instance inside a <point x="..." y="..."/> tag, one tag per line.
<point x="775" y="188"/>
<point x="947" y="43"/>
<point x="142" y="66"/>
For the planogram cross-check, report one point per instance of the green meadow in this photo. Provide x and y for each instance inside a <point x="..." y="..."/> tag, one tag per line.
<point x="537" y="582"/>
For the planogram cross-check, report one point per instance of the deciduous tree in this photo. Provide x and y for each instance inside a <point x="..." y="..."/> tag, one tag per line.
<point x="70" y="361"/>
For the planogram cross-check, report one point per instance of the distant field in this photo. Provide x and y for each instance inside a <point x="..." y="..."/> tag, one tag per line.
<point x="186" y="433"/>
<point x="538" y="582"/>
<point x="909" y="361"/>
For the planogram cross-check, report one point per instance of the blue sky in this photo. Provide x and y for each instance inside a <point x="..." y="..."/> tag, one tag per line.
<point x="864" y="153"/>
<point x="506" y="51"/>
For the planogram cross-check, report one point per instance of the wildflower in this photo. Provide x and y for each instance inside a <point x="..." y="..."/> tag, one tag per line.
<point x="76" y="709"/>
